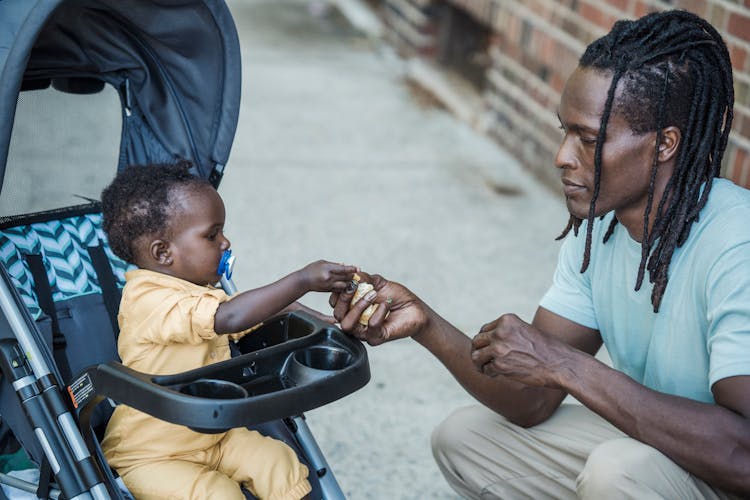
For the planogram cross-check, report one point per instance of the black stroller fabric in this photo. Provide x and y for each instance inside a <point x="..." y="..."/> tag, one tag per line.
<point x="176" y="64"/>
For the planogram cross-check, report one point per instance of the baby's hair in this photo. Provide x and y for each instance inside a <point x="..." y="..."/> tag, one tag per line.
<point x="137" y="201"/>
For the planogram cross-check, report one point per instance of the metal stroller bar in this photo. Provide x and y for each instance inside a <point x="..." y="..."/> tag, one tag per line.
<point x="328" y="484"/>
<point x="27" y="486"/>
<point x="40" y="396"/>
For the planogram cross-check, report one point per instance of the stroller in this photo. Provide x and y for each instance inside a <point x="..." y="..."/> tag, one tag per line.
<point x="171" y="71"/>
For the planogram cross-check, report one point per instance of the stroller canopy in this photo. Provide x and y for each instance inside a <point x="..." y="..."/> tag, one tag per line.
<point x="175" y="64"/>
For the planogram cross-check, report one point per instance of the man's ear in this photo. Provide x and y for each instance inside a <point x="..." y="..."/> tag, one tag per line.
<point x="159" y="251"/>
<point x="671" y="137"/>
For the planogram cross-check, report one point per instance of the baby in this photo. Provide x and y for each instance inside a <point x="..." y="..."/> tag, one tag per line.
<point x="170" y="224"/>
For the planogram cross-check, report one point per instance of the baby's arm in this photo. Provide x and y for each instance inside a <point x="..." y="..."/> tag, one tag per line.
<point x="254" y="306"/>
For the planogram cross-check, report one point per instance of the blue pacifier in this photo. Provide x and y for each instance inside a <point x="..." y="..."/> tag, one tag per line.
<point x="226" y="264"/>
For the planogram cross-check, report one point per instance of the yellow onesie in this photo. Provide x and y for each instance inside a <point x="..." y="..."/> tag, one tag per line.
<point x="166" y="327"/>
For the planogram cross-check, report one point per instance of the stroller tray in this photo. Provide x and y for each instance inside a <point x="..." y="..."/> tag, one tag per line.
<point x="291" y="364"/>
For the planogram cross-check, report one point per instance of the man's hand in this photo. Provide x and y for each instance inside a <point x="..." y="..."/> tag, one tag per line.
<point x="513" y="348"/>
<point x="400" y="313"/>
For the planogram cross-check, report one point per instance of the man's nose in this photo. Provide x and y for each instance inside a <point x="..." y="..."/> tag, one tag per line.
<point x="565" y="157"/>
<point x="226" y="243"/>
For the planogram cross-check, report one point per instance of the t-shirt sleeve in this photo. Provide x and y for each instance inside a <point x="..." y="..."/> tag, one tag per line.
<point x="570" y="294"/>
<point x="177" y="316"/>
<point x="728" y="308"/>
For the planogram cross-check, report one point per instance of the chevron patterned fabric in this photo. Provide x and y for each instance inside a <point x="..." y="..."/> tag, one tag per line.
<point x="63" y="245"/>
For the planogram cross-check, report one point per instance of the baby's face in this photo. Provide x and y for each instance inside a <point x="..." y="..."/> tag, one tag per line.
<point x="197" y="235"/>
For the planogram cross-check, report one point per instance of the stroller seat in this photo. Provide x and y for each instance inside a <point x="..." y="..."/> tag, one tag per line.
<point x="62" y="258"/>
<point x="70" y="282"/>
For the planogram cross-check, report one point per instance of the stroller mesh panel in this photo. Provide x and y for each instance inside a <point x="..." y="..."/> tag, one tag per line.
<point x="62" y="147"/>
<point x="63" y="245"/>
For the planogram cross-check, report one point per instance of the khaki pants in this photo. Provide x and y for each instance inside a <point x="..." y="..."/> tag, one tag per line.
<point x="265" y="466"/>
<point x="574" y="454"/>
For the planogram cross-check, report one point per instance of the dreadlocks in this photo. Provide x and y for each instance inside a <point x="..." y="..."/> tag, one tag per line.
<point x="675" y="71"/>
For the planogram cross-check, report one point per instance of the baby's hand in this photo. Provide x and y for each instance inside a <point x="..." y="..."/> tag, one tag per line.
<point x="324" y="276"/>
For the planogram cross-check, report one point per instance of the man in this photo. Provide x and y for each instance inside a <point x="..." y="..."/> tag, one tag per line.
<point x="645" y="117"/>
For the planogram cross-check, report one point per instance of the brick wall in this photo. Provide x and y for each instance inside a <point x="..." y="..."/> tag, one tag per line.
<point x="533" y="45"/>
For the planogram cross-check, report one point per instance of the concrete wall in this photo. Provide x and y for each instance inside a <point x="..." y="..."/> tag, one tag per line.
<point x="529" y="47"/>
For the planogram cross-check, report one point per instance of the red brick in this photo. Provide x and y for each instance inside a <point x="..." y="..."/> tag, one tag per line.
<point x="622" y="5"/>
<point x="739" y="25"/>
<point x="739" y="57"/>
<point x="699" y="7"/>
<point x="739" y="166"/>
<point x="596" y="15"/>
<point x="642" y="8"/>
<point x="741" y="125"/>
<point x="541" y="10"/>
<point x="557" y="81"/>
<point x="719" y="17"/>
<point x="554" y="46"/>
<point x="513" y="51"/>
<point x="727" y="165"/>
<point x="744" y="176"/>
<point x="514" y="29"/>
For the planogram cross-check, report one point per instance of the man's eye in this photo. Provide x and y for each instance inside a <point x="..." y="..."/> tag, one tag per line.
<point x="212" y="236"/>
<point x="588" y="140"/>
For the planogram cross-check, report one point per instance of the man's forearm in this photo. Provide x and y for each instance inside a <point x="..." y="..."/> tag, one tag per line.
<point x="707" y="440"/>
<point x="521" y="404"/>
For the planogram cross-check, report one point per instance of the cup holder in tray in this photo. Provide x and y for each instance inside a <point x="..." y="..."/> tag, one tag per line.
<point x="214" y="388"/>
<point x="323" y="358"/>
<point x="316" y="362"/>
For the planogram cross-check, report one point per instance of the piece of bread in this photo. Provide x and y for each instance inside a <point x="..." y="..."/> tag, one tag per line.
<point x="362" y="289"/>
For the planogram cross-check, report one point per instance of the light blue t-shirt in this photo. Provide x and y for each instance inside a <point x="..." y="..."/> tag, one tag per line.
<point x="701" y="333"/>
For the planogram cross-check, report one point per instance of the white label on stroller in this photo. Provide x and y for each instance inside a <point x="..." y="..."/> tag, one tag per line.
<point x="80" y="390"/>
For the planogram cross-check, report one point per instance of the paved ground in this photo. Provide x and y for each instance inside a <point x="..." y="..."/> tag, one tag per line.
<point x="337" y="158"/>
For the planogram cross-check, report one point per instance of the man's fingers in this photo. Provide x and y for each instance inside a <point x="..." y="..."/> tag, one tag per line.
<point x="489" y="326"/>
<point x="333" y="299"/>
<point x="351" y="319"/>
<point x="489" y="369"/>
<point x="481" y="357"/>
<point x="341" y="306"/>
<point x="378" y="317"/>
<point x="480" y="340"/>
<point x="376" y="332"/>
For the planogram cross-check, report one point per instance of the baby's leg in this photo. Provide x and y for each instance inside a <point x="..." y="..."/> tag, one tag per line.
<point x="267" y="467"/>
<point x="180" y="479"/>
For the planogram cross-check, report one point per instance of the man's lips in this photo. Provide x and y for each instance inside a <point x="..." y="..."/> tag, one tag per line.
<point x="570" y="187"/>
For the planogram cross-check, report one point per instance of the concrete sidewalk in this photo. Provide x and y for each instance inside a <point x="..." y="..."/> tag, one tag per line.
<point x="336" y="157"/>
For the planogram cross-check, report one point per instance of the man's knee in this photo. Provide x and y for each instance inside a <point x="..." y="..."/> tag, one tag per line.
<point x="445" y="439"/>
<point x="456" y="436"/>
<point x="621" y="465"/>
<point x="452" y="451"/>
<point x="466" y="449"/>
